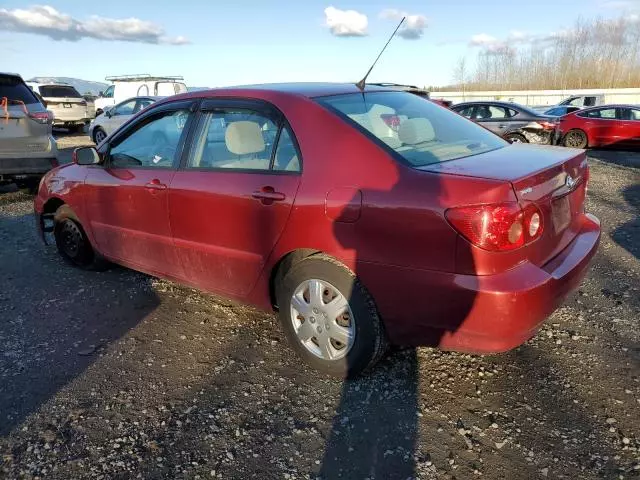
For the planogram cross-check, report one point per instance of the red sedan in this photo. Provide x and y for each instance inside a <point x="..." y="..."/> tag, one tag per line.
<point x="609" y="125"/>
<point x="362" y="217"/>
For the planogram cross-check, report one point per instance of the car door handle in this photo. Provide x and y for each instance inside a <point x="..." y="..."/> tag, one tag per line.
<point x="502" y="125"/>
<point x="268" y="195"/>
<point x="155" y="185"/>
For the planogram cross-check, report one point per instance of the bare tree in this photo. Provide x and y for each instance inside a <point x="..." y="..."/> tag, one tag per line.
<point x="600" y="53"/>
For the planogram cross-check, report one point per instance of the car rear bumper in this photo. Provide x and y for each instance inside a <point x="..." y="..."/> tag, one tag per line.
<point x="482" y="314"/>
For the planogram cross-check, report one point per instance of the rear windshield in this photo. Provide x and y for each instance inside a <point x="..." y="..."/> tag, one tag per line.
<point x="416" y="129"/>
<point x="16" y="91"/>
<point x="59" y="91"/>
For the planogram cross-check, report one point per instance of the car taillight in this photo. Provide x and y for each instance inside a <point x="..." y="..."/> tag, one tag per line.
<point x="499" y="227"/>
<point x="548" y="125"/>
<point x="42" y="117"/>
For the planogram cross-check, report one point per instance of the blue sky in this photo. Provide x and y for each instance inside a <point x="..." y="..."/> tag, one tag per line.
<point x="217" y="43"/>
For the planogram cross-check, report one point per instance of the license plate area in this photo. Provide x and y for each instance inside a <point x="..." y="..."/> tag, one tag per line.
<point x="561" y="213"/>
<point x="66" y="105"/>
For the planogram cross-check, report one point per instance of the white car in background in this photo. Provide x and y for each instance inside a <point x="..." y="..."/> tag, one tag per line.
<point x="112" y="118"/>
<point x="70" y="109"/>
<point x="127" y="86"/>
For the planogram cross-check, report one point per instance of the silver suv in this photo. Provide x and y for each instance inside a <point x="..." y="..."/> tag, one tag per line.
<point x="27" y="148"/>
<point x="70" y="109"/>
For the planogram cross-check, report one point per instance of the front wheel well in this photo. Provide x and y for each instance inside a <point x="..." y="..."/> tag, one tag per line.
<point x="283" y="266"/>
<point x="52" y="205"/>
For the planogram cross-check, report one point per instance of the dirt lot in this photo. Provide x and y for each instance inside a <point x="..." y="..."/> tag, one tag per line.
<point x="118" y="375"/>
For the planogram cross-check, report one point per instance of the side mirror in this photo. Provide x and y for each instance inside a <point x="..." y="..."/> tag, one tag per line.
<point x="85" y="156"/>
<point x="108" y="114"/>
<point x="100" y="93"/>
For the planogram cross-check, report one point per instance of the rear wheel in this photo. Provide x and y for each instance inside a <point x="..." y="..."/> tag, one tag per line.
<point x="575" y="139"/>
<point x="74" y="246"/>
<point x="330" y="318"/>
<point x="516" y="138"/>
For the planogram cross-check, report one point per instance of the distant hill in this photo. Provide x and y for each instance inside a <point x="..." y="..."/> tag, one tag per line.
<point x="83" y="86"/>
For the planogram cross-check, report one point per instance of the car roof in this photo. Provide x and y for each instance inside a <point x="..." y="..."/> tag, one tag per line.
<point x="306" y="89"/>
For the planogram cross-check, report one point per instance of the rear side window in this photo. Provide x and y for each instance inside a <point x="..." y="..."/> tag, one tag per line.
<point x="490" y="112"/>
<point x="607" y="113"/>
<point x="16" y="91"/>
<point x="239" y="139"/>
<point x="59" y="91"/>
<point x="418" y="131"/>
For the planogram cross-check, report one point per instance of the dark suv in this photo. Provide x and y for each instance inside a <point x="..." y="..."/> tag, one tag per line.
<point x="27" y="148"/>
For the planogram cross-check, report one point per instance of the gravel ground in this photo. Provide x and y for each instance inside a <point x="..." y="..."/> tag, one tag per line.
<point x="118" y="375"/>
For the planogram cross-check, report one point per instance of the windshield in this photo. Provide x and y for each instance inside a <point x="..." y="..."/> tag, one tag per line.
<point x="421" y="132"/>
<point x="59" y="91"/>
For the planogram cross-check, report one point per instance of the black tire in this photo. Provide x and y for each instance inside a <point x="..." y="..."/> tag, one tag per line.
<point x="78" y="128"/>
<point x="95" y="134"/>
<point x="516" y="138"/>
<point x="73" y="244"/>
<point x="575" y="139"/>
<point x="370" y="341"/>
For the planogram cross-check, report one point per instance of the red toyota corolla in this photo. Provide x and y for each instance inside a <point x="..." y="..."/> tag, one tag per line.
<point x="362" y="217"/>
<point x="609" y="125"/>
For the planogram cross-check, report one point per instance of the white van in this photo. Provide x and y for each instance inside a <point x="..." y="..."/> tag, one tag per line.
<point x="127" y="86"/>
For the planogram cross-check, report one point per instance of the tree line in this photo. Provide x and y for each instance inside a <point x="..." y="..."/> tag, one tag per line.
<point x="593" y="54"/>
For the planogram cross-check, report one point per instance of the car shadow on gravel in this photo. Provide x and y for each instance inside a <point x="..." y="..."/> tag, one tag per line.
<point x="375" y="429"/>
<point x="55" y="320"/>
<point x="627" y="235"/>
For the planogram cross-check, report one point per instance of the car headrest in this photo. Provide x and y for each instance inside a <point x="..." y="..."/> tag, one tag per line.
<point x="416" y="130"/>
<point x="244" y="137"/>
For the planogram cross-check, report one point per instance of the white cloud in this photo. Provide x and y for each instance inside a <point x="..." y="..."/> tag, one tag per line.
<point x="346" y="23"/>
<point x="46" y="20"/>
<point x="620" y="4"/>
<point x="482" y="39"/>
<point x="413" y="26"/>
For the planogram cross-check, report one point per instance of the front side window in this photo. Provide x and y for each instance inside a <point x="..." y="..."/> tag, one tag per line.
<point x="125" y="108"/>
<point x="153" y="144"/>
<point x="466" y="111"/>
<point x="417" y="130"/>
<point x="59" y="91"/>
<point x="241" y="139"/>
<point x="108" y="93"/>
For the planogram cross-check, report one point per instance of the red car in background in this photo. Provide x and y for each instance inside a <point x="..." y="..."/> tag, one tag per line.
<point x="603" y="126"/>
<point x="362" y="217"/>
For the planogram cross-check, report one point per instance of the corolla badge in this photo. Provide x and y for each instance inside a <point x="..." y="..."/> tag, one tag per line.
<point x="570" y="182"/>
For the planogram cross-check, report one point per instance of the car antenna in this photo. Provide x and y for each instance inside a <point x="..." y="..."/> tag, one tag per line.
<point x="361" y="83"/>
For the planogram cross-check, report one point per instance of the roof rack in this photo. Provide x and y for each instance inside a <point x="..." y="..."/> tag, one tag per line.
<point x="142" y="76"/>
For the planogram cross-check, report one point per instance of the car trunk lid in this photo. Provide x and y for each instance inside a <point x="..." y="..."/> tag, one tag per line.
<point x="552" y="178"/>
